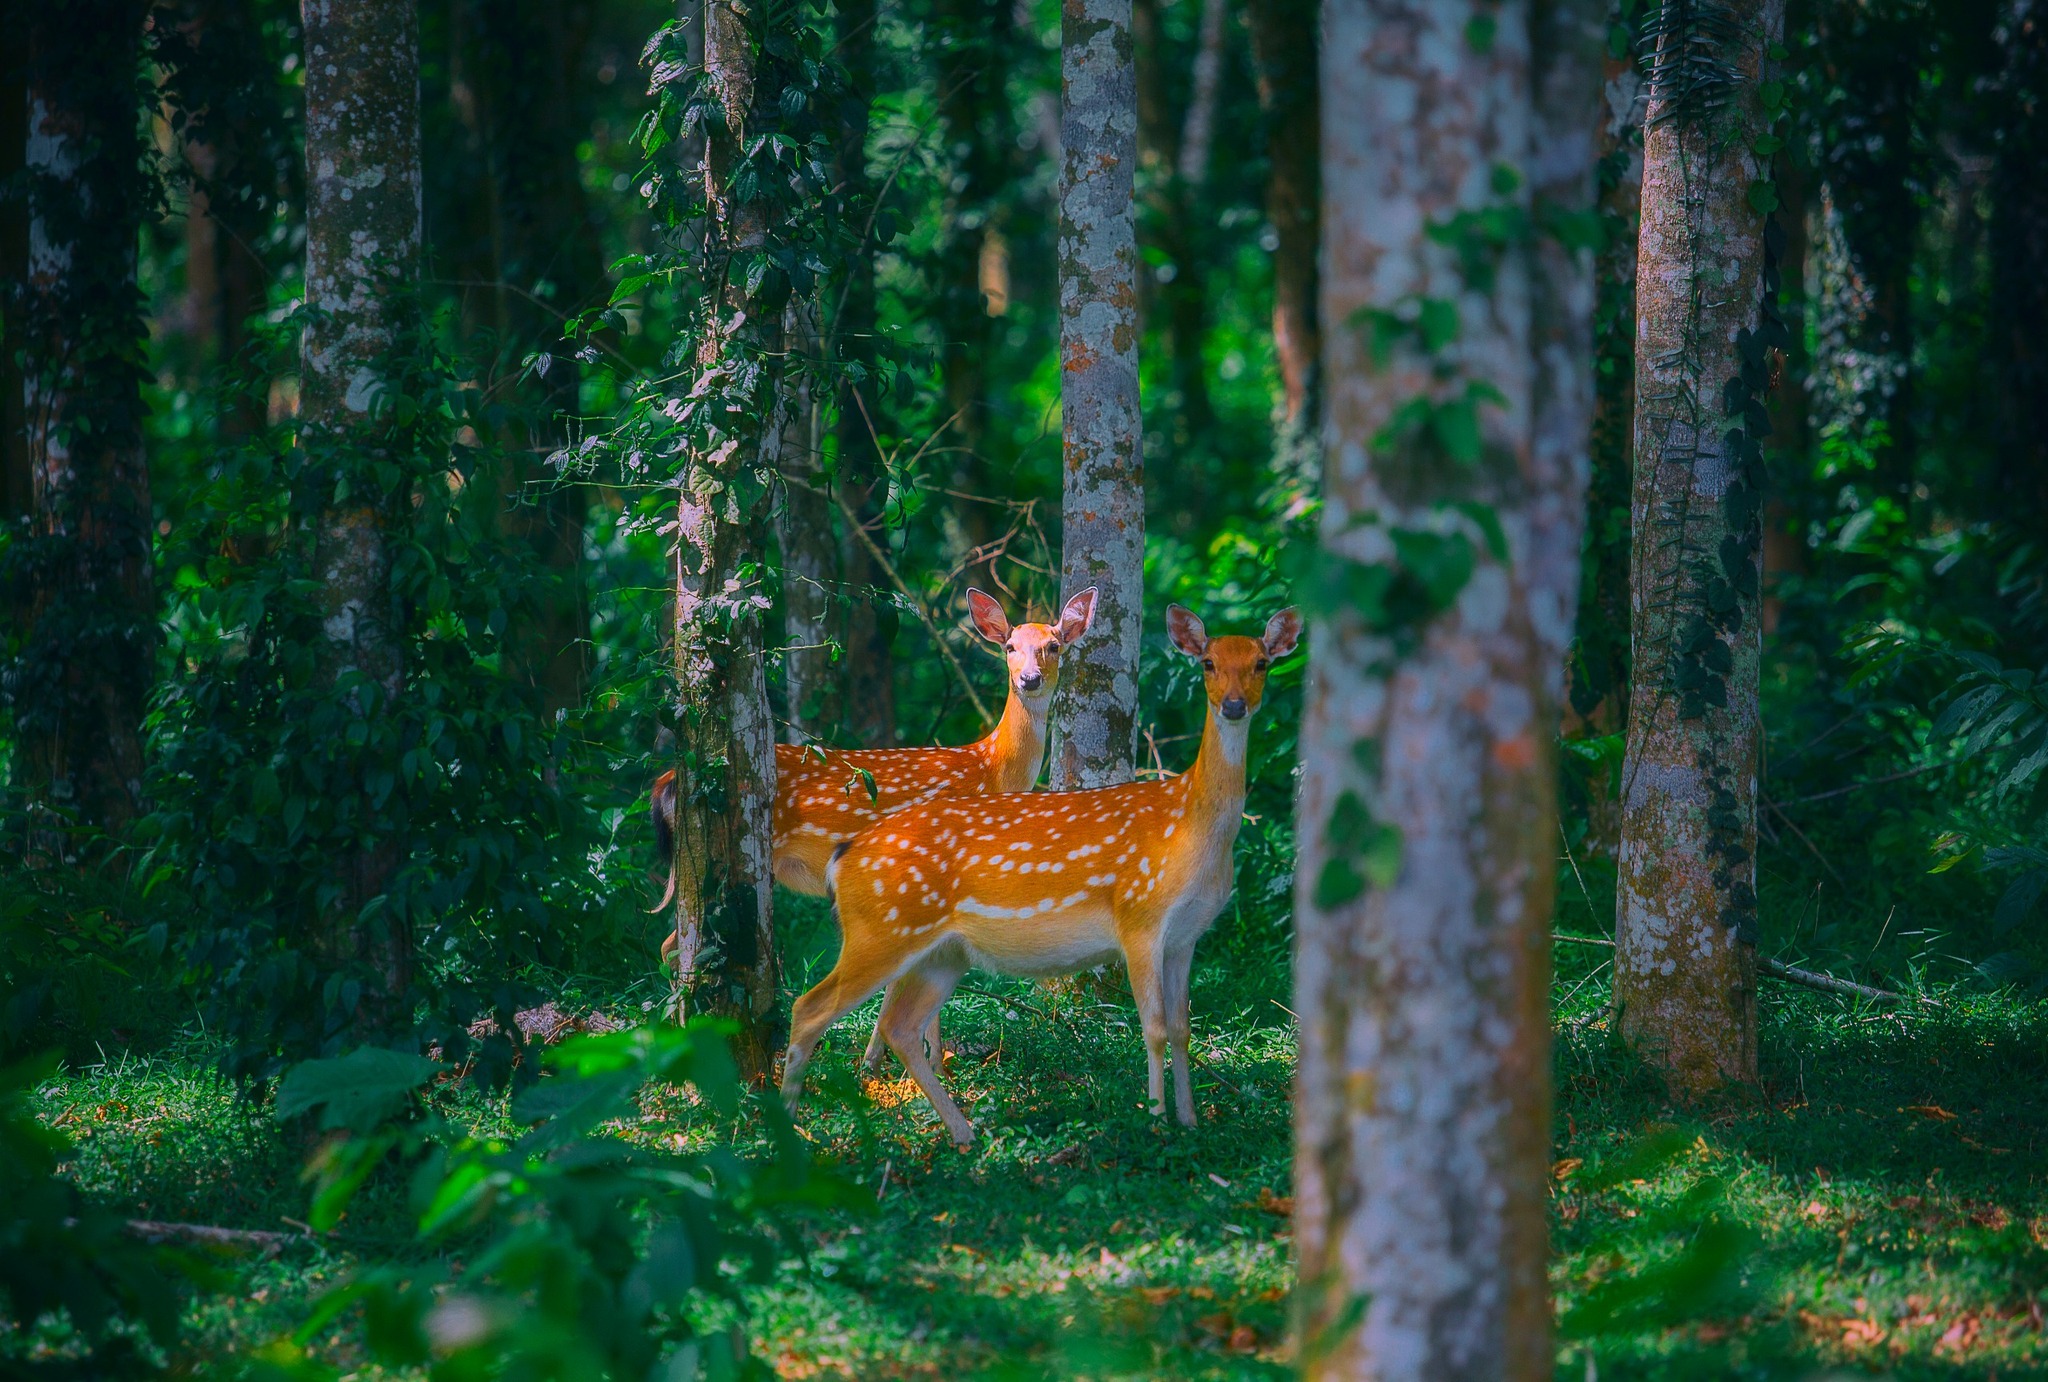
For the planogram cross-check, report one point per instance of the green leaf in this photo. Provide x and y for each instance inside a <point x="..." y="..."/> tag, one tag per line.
<point x="1488" y="522"/>
<point x="1337" y="884"/>
<point x="1437" y="321"/>
<point x="1480" y="30"/>
<point x="368" y="1086"/>
<point x="1771" y="95"/>
<point x="1763" y="197"/>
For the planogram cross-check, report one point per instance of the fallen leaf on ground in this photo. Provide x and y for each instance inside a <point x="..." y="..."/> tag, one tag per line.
<point x="1933" y="1112"/>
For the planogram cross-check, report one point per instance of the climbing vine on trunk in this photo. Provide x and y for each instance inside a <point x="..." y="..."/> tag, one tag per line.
<point x="741" y="150"/>
<point x="1706" y="295"/>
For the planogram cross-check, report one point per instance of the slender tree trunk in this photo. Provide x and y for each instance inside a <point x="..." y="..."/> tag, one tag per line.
<point x="227" y="88"/>
<point x="1685" y="962"/>
<point x="85" y="662"/>
<point x="726" y="743"/>
<point x="1598" y="684"/>
<point x="17" y="491"/>
<point x="810" y="553"/>
<point x="526" y="246"/>
<point x="1284" y="37"/>
<point x="2018" y="250"/>
<point x="1428" y="808"/>
<point x="362" y="269"/>
<point x="975" y="107"/>
<point x="1103" y="505"/>
<point x="868" y="703"/>
<point x="1170" y="151"/>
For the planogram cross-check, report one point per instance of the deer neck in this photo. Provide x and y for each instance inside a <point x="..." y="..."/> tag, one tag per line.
<point x="1215" y="784"/>
<point x="1017" y="746"/>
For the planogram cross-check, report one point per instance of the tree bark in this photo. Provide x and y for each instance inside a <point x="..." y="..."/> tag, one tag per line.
<point x="362" y="271"/>
<point x="1685" y="962"/>
<point x="17" y="491"/>
<point x="1103" y="501"/>
<point x="86" y="657"/>
<point x="1428" y="819"/>
<point x="726" y="737"/>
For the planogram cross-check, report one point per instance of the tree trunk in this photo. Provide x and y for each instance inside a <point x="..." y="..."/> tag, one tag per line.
<point x="868" y="700"/>
<point x="1428" y="818"/>
<point x="362" y="270"/>
<point x="1284" y="37"/>
<point x="976" y="109"/>
<point x="1174" y="155"/>
<point x="17" y="491"/>
<point x="1103" y="502"/>
<point x="2019" y="289"/>
<point x="1685" y="962"/>
<point x="726" y="740"/>
<point x="226" y="85"/>
<point x="86" y="660"/>
<point x="1598" y="684"/>
<point x="811" y="587"/>
<point x="529" y="252"/>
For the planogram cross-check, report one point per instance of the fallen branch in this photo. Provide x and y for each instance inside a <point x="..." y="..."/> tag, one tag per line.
<point x="208" y="1235"/>
<point x="1791" y="974"/>
<point x="1828" y="983"/>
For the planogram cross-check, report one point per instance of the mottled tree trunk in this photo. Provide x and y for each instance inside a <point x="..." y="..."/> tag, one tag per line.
<point x="1283" y="41"/>
<point x="1428" y="808"/>
<point x="868" y="700"/>
<point x="726" y="742"/>
<point x="362" y="268"/>
<point x="1102" y="508"/>
<point x="87" y="630"/>
<point x="1685" y="963"/>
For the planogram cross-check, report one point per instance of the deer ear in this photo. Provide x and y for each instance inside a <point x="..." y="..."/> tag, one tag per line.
<point x="1186" y="631"/>
<point x="1283" y="631"/>
<point x="988" y="615"/>
<point x="1076" y="616"/>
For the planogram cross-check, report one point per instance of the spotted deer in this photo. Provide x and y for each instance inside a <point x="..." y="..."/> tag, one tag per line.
<point x="823" y="797"/>
<point x="1049" y="883"/>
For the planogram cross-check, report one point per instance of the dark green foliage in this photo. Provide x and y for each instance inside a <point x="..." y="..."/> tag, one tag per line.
<point x="564" y="1251"/>
<point x="262" y="775"/>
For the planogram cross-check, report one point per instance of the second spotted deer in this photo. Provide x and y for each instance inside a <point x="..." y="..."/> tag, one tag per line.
<point x="1050" y="883"/>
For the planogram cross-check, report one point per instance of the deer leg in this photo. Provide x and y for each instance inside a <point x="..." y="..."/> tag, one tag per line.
<point x="1148" y="989"/>
<point x="878" y="1045"/>
<point x="906" y="1014"/>
<point x="1174" y="977"/>
<point x="852" y="982"/>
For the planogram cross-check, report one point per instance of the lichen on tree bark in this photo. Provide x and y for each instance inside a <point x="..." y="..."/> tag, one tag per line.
<point x="80" y="678"/>
<point x="725" y="735"/>
<point x="1685" y="964"/>
<point x="1094" y="716"/>
<point x="363" y="225"/>
<point x="1427" y="812"/>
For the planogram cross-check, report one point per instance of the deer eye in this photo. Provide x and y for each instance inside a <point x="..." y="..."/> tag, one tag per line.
<point x="1260" y="665"/>
<point x="1208" y="664"/>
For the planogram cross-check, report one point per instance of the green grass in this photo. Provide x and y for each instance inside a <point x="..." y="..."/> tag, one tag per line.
<point x="1882" y="1190"/>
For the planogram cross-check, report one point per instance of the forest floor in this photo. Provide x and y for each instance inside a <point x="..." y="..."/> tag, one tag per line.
<point x="1879" y="1203"/>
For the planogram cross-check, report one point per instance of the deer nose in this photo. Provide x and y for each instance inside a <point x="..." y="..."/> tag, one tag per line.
<point x="1233" y="707"/>
<point x="1030" y="681"/>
